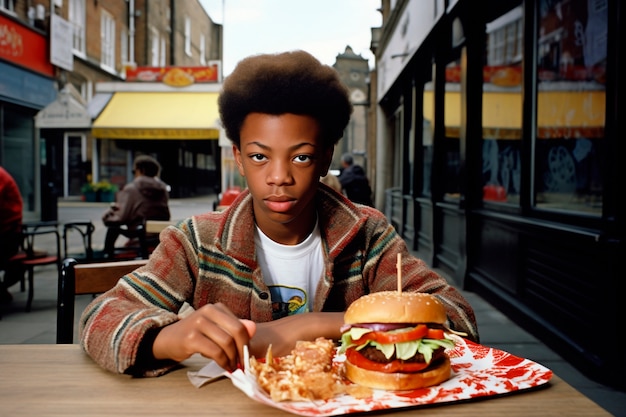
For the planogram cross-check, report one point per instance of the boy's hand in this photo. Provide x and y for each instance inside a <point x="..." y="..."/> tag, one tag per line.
<point x="212" y="331"/>
<point x="283" y="333"/>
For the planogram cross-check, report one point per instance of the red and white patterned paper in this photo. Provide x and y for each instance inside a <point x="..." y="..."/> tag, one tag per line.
<point x="477" y="371"/>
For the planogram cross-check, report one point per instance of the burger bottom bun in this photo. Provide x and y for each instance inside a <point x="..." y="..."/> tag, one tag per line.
<point x="399" y="381"/>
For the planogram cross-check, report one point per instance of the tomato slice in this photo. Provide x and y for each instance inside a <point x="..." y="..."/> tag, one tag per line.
<point x="418" y="332"/>
<point x="396" y="365"/>
<point x="435" y="334"/>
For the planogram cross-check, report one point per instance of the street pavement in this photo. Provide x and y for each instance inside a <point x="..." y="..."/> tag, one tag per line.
<point x="496" y="330"/>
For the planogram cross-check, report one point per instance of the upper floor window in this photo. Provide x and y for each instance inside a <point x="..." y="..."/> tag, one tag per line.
<point x="7" y="5"/>
<point x="202" y="50"/>
<point x="124" y="46"/>
<point x="107" y="38"/>
<point x="154" y="48"/>
<point x="188" y="36"/>
<point x="163" y="54"/>
<point x="77" y="19"/>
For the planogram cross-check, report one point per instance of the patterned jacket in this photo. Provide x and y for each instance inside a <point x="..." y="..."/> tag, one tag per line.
<point x="211" y="258"/>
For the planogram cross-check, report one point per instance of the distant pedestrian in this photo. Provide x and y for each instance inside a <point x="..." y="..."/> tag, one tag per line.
<point x="11" y="206"/>
<point x="145" y="198"/>
<point x="355" y="182"/>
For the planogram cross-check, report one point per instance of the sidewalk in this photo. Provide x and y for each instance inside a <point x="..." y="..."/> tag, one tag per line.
<point x="496" y="330"/>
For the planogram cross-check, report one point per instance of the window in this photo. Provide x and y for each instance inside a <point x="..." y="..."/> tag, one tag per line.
<point x="505" y="37"/>
<point x="188" y="36"/>
<point x="124" y="46"/>
<point x="154" y="48"/>
<point x="571" y="106"/>
<point x="502" y="110"/>
<point x="451" y="143"/>
<point x="107" y="38"/>
<point x="202" y="50"/>
<point x="7" y="5"/>
<point x="77" y="19"/>
<point x="427" y="137"/>
<point x="162" y="62"/>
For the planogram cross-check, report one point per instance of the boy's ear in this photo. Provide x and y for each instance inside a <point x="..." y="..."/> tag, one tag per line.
<point x="237" y="155"/>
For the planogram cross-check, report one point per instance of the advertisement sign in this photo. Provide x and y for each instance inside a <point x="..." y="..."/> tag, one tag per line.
<point x="176" y="76"/>
<point x="25" y="47"/>
<point x="61" y="43"/>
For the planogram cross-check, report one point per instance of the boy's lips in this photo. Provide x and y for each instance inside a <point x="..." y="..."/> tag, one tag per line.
<point x="279" y="204"/>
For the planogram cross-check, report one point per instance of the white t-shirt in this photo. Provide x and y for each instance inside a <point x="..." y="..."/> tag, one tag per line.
<point x="291" y="272"/>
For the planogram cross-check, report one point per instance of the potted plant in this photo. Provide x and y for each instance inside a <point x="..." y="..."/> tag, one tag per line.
<point x="106" y="191"/>
<point x="89" y="192"/>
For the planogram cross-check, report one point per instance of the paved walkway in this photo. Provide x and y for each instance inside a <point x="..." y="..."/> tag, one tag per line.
<point x="496" y="330"/>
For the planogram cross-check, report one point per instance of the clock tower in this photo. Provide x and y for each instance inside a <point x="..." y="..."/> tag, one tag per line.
<point x="354" y="73"/>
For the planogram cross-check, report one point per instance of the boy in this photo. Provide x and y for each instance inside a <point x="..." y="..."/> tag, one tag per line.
<point x="283" y="262"/>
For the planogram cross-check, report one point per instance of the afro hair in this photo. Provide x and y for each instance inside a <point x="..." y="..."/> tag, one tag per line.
<point x="290" y="82"/>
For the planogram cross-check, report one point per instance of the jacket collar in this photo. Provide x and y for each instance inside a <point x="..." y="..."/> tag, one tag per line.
<point x="339" y="220"/>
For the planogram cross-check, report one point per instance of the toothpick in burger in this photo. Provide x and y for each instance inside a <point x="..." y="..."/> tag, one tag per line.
<point x="396" y="341"/>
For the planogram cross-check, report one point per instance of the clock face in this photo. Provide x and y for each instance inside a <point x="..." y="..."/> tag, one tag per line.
<point x="355" y="76"/>
<point x="357" y="95"/>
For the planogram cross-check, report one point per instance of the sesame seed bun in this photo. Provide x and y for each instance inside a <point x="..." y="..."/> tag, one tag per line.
<point x="396" y="307"/>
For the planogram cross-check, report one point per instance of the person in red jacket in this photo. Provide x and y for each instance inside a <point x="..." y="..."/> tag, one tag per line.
<point x="10" y="226"/>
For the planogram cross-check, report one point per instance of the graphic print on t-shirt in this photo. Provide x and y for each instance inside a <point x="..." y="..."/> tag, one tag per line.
<point x="287" y="301"/>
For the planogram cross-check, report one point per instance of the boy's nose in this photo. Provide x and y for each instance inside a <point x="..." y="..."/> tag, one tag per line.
<point x="279" y="173"/>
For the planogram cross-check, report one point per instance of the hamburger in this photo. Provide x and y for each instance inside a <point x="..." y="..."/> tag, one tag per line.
<point x="396" y="341"/>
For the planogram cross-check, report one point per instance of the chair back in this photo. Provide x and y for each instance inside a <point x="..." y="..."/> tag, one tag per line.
<point x="89" y="278"/>
<point x="84" y="230"/>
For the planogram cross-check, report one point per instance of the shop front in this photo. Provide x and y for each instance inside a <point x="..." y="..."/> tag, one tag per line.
<point x="505" y="125"/>
<point x="27" y="85"/>
<point x="179" y="126"/>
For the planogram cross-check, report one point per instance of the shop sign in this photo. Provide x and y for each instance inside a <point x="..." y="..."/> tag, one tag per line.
<point x="65" y="112"/>
<point x="61" y="53"/>
<point x="23" y="46"/>
<point x="176" y="76"/>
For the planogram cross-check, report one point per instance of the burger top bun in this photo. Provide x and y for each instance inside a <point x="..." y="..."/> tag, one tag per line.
<point x="396" y="307"/>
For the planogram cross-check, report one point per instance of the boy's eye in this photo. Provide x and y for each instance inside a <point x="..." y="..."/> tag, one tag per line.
<point x="257" y="157"/>
<point x="303" y="158"/>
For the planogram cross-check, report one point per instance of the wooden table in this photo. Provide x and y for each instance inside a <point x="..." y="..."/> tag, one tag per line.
<point x="61" y="380"/>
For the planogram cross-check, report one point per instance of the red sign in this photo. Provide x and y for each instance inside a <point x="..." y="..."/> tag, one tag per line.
<point x="174" y="76"/>
<point x="25" y="47"/>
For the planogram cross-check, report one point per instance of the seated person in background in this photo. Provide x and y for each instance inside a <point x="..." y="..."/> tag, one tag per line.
<point x="354" y="182"/>
<point x="283" y="261"/>
<point x="10" y="231"/>
<point x="145" y="198"/>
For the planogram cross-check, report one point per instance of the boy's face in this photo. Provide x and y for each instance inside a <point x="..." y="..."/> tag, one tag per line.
<point x="282" y="159"/>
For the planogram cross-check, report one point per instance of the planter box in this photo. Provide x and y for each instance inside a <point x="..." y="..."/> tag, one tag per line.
<point x="106" y="196"/>
<point x="89" y="196"/>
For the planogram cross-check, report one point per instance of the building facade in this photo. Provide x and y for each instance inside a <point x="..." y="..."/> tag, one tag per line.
<point x="498" y="158"/>
<point x="53" y="53"/>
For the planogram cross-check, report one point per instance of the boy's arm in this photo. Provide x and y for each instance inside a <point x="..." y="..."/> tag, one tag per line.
<point x="283" y="333"/>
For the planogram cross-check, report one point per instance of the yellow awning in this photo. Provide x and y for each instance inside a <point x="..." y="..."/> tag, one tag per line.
<point x="162" y="115"/>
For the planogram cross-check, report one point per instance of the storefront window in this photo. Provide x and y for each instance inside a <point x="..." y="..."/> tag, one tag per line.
<point x="571" y="65"/>
<point x="451" y="143"/>
<point x="502" y="108"/>
<point x="18" y="152"/>
<point x="427" y="138"/>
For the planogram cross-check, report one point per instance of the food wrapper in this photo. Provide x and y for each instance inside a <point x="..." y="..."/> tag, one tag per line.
<point x="477" y="371"/>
